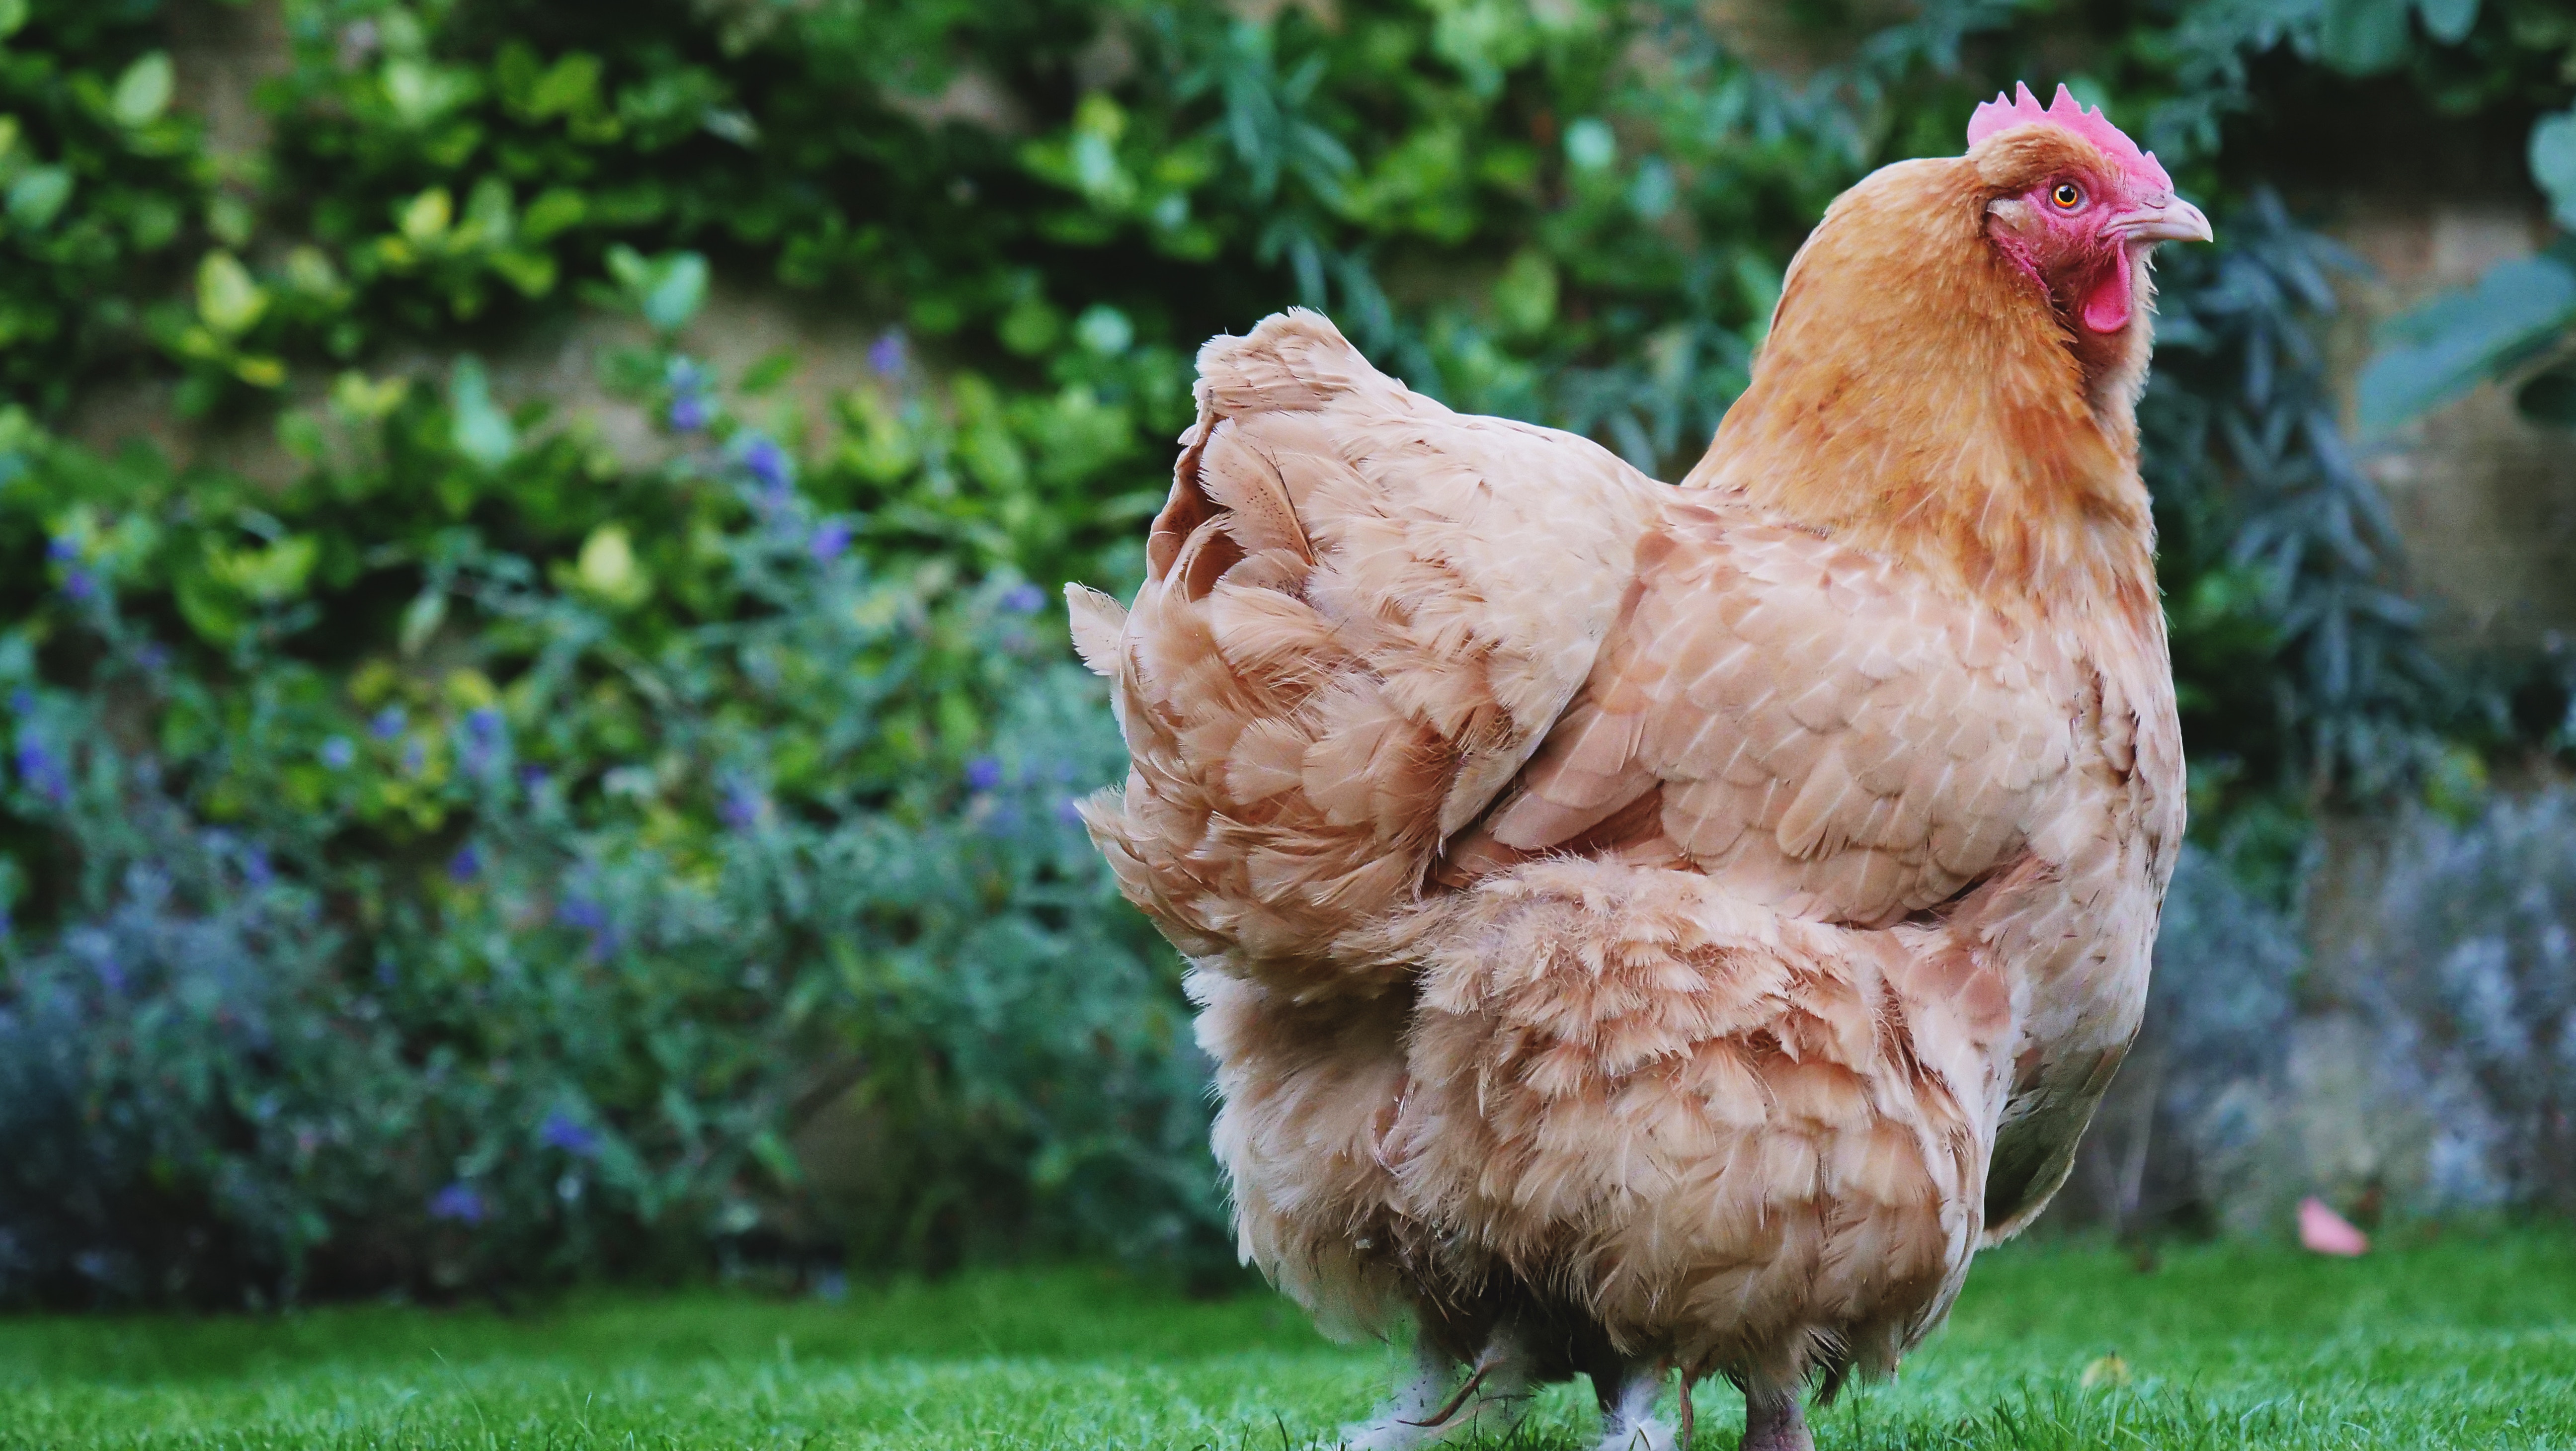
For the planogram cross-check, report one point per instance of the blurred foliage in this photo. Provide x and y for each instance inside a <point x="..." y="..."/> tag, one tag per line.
<point x="496" y="845"/>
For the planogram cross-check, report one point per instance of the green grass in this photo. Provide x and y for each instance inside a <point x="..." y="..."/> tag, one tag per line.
<point x="2456" y="1344"/>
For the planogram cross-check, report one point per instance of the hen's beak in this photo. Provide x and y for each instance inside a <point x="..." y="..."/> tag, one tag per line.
<point x="2176" y="221"/>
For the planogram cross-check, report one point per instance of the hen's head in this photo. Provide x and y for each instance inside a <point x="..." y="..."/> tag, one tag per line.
<point x="2075" y="204"/>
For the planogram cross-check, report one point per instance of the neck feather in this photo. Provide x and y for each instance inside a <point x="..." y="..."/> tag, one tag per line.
<point x="1920" y="396"/>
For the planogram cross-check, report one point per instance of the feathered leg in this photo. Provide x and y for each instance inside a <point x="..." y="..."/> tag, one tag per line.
<point x="1628" y="1408"/>
<point x="1775" y="1421"/>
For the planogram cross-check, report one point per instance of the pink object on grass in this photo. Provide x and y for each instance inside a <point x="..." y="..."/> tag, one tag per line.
<point x="2329" y="1233"/>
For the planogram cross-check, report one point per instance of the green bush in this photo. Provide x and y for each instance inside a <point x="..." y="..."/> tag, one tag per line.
<point x="503" y="947"/>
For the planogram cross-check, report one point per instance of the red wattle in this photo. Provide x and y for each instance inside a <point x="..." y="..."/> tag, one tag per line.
<point x="2106" y="305"/>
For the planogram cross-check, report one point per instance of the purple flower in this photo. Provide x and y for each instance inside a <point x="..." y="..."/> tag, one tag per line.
<point x="37" y="768"/>
<point x="255" y="867"/>
<point x="983" y="773"/>
<point x="1024" y="599"/>
<point x="79" y="584"/>
<point x="337" y="753"/>
<point x="111" y="974"/>
<point x="533" y="779"/>
<point x="62" y="549"/>
<point x="388" y="723"/>
<point x="581" y="912"/>
<point x="742" y="807"/>
<point x="886" y="354"/>
<point x="831" y="539"/>
<point x="561" y="1132"/>
<point x="688" y="413"/>
<point x="484" y="725"/>
<point x="466" y="865"/>
<point x="458" y="1202"/>
<point x="768" y="463"/>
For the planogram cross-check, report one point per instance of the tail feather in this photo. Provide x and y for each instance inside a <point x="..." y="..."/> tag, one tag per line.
<point x="1361" y="613"/>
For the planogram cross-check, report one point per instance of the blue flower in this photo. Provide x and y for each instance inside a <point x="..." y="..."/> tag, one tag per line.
<point x="983" y="773"/>
<point x="561" y="1132"/>
<point x="742" y="807"/>
<point x="151" y="655"/>
<point x="255" y="867"/>
<point x="62" y="549"/>
<point x="830" y="540"/>
<point x="533" y="779"/>
<point x="111" y="974"/>
<point x="886" y="354"/>
<point x="1024" y="599"/>
<point x="388" y="723"/>
<point x="21" y="701"/>
<point x="685" y="376"/>
<point x="1069" y="811"/>
<point x="688" y="413"/>
<point x="581" y="912"/>
<point x="459" y="1202"/>
<point x="37" y="768"/>
<point x="337" y="753"/>
<point x="767" y="462"/>
<point x="466" y="865"/>
<point x="79" y="584"/>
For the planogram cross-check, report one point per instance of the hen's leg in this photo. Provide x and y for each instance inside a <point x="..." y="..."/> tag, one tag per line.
<point x="1775" y="1421"/>
<point x="1628" y="1408"/>
<point x="1432" y="1405"/>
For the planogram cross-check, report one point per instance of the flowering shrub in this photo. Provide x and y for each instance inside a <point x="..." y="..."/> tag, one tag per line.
<point x="516" y="940"/>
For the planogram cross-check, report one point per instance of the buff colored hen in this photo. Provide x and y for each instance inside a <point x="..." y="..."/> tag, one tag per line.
<point x="1648" y="929"/>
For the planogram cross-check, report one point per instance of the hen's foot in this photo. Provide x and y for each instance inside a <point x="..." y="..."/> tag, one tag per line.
<point x="1432" y="1405"/>
<point x="1775" y="1421"/>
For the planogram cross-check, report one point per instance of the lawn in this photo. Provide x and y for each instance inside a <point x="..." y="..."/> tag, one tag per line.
<point x="2451" y="1344"/>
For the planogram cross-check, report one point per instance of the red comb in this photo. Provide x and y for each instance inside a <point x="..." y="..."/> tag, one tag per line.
<point x="2001" y="114"/>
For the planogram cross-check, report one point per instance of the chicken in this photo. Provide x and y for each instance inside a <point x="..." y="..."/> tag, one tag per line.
<point x="1643" y="928"/>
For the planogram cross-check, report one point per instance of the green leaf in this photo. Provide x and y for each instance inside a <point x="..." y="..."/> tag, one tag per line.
<point x="2458" y="340"/>
<point x="555" y="209"/>
<point x="36" y="198"/>
<point x="2363" y="37"/>
<point x="1590" y="144"/>
<point x="13" y="17"/>
<point x="143" y="92"/>
<point x="2448" y="21"/>
<point x="607" y="567"/>
<point x="667" y="289"/>
<point x="2553" y="164"/>
<point x="1104" y="330"/>
<point x="426" y="217"/>
<point x="479" y="429"/>
<point x="1525" y="295"/>
<point x="229" y="301"/>
<point x="421" y="619"/>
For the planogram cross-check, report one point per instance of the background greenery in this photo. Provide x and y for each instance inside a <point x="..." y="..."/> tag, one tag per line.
<point x="477" y="850"/>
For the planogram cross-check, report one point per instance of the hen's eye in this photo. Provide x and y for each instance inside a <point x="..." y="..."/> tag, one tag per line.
<point x="2067" y="195"/>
